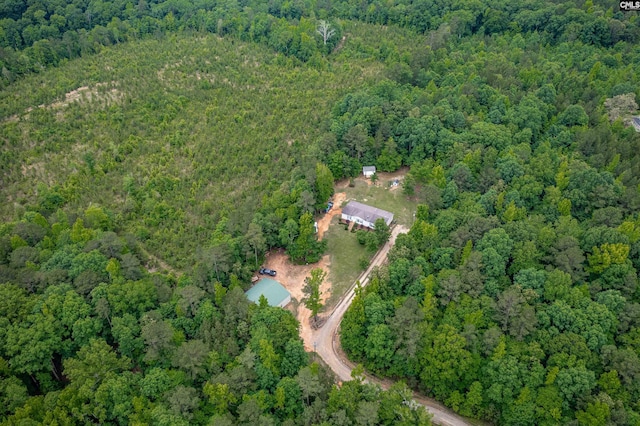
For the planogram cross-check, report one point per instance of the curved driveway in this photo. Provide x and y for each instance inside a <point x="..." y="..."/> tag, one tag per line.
<point x="327" y="344"/>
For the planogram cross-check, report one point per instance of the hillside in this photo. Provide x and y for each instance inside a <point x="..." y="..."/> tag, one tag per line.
<point x="169" y="149"/>
<point x="515" y="295"/>
<point x="168" y="135"/>
<point x="199" y="136"/>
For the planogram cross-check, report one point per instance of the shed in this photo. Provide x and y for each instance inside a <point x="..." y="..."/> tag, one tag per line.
<point x="368" y="171"/>
<point x="365" y="215"/>
<point x="274" y="292"/>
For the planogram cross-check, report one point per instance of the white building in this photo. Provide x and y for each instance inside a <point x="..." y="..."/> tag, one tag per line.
<point x="368" y="171"/>
<point x="365" y="215"/>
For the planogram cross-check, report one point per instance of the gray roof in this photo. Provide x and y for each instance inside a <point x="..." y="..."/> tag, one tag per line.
<point x="368" y="213"/>
<point x="271" y="289"/>
<point x="368" y="169"/>
<point x="636" y="122"/>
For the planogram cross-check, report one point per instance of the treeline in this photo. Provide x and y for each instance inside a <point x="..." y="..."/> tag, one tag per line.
<point x="35" y="36"/>
<point x="89" y="336"/>
<point x="514" y="297"/>
<point x="599" y="23"/>
<point x="284" y="220"/>
<point x="475" y="94"/>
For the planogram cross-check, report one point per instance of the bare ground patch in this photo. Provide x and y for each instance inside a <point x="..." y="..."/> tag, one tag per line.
<point x="87" y="94"/>
<point x="292" y="278"/>
<point x="81" y="94"/>
<point x="383" y="178"/>
<point x="325" y="221"/>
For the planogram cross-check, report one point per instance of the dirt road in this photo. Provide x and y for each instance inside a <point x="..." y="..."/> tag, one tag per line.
<point x="327" y="345"/>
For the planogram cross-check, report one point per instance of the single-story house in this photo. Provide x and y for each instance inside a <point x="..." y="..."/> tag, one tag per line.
<point x="272" y="290"/>
<point x="368" y="171"/>
<point x="365" y="215"/>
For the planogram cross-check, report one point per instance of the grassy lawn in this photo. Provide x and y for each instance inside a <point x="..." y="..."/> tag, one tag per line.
<point x="345" y="254"/>
<point x="380" y="196"/>
<point x="343" y="248"/>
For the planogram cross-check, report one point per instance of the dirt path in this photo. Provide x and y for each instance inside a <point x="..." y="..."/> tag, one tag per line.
<point x="154" y="263"/>
<point x="340" y="44"/>
<point x="326" y="343"/>
<point x="325" y="336"/>
<point x="325" y="221"/>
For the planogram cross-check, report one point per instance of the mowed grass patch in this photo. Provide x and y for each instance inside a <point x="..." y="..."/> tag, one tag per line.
<point x="344" y="253"/>
<point x="382" y="197"/>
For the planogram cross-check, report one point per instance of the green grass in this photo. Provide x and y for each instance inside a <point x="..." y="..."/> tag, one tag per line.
<point x="381" y="197"/>
<point x="344" y="250"/>
<point x="345" y="253"/>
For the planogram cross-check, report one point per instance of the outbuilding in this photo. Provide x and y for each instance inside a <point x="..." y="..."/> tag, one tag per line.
<point x="368" y="171"/>
<point x="365" y="215"/>
<point x="272" y="290"/>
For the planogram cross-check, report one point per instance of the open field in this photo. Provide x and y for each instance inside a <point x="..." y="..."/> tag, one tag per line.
<point x="344" y="258"/>
<point x="343" y="249"/>
<point x="382" y="196"/>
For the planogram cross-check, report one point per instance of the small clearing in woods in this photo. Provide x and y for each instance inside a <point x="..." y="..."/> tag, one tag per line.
<point x="292" y="278"/>
<point x="154" y="264"/>
<point x="383" y="178"/>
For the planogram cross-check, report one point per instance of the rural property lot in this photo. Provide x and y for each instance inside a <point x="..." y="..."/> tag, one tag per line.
<point x="342" y="260"/>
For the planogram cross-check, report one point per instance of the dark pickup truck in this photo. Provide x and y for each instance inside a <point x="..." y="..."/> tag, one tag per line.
<point x="265" y="271"/>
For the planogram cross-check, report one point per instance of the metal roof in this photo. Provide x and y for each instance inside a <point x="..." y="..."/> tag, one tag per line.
<point x="368" y="169"/>
<point x="271" y="289"/>
<point x="368" y="213"/>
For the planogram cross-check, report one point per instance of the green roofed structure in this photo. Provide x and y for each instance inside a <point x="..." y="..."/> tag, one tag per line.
<point x="275" y="293"/>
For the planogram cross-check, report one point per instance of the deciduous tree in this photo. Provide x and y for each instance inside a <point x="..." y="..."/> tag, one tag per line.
<point x="311" y="291"/>
<point x="325" y="30"/>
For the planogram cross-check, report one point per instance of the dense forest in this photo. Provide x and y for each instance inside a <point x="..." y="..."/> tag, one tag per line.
<point x="34" y="35"/>
<point x="514" y="297"/>
<point x="88" y="336"/>
<point x="206" y="133"/>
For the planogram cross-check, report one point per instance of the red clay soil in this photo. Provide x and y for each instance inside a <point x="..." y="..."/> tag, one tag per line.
<point x="292" y="278"/>
<point x="336" y="210"/>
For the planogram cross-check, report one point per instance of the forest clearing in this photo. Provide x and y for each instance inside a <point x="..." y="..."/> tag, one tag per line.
<point x="155" y="155"/>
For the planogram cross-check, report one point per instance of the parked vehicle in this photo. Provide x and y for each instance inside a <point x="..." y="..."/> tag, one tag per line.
<point x="329" y="205"/>
<point x="265" y="271"/>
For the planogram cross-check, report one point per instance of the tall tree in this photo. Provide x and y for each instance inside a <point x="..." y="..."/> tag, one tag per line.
<point x="255" y="240"/>
<point x="325" y="30"/>
<point x="324" y="185"/>
<point x="381" y="231"/>
<point x="306" y="248"/>
<point x="219" y="255"/>
<point x="312" y="291"/>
